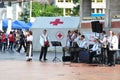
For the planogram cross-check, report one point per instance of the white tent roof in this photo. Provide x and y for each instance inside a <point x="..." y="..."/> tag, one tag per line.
<point x="56" y="22"/>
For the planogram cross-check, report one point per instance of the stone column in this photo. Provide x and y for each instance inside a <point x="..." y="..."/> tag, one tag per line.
<point x="108" y="15"/>
<point x="85" y="10"/>
<point x="9" y="16"/>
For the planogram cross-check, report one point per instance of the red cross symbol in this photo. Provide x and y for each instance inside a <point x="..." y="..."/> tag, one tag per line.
<point x="59" y="35"/>
<point x="56" y="22"/>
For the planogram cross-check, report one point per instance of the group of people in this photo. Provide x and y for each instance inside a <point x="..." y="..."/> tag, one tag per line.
<point x="15" y="40"/>
<point x="104" y="45"/>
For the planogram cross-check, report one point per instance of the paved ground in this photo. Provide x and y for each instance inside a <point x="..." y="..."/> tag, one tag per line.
<point x="14" y="67"/>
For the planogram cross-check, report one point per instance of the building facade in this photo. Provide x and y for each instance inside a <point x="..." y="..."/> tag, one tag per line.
<point x="98" y="8"/>
<point x="11" y="9"/>
<point x="67" y="6"/>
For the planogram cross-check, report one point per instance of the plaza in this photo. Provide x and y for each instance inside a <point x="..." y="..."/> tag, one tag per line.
<point x="14" y="67"/>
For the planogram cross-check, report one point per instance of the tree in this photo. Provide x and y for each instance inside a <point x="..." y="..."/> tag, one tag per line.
<point x="76" y="1"/>
<point x="76" y="9"/>
<point x="45" y="10"/>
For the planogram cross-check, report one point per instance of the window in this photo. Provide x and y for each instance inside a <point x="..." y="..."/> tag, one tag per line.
<point x="99" y="0"/>
<point x="68" y="0"/>
<point x="60" y="0"/>
<point x="93" y="11"/>
<point x="99" y="11"/>
<point x="68" y="11"/>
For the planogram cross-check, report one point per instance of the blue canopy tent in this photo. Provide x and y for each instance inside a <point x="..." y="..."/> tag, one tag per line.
<point x="14" y="26"/>
<point x="30" y="24"/>
<point x="22" y="24"/>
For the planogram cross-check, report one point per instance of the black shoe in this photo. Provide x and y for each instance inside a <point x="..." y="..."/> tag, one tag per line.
<point x="111" y="65"/>
<point x="40" y="60"/>
<point x="28" y="60"/>
<point x="45" y="59"/>
<point x="18" y="51"/>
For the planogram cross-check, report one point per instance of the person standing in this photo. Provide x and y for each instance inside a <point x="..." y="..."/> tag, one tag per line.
<point x="103" y="42"/>
<point x="29" y="46"/>
<point x="3" y="40"/>
<point x="113" y="47"/>
<point x="11" y="40"/>
<point x="44" y="42"/>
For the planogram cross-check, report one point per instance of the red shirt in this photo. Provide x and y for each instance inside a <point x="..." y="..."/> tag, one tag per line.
<point x="3" y="38"/>
<point x="11" y="37"/>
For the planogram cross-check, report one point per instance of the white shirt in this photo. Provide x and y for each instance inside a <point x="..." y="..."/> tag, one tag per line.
<point x="82" y="44"/>
<point x="43" y="38"/>
<point x="103" y="41"/>
<point x="30" y="38"/>
<point x="95" y="47"/>
<point x="113" y="41"/>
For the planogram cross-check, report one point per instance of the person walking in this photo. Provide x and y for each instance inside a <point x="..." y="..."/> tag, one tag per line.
<point x="44" y="42"/>
<point x="22" y="42"/>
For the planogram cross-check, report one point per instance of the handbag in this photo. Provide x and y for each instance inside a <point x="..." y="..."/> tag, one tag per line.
<point x="46" y="43"/>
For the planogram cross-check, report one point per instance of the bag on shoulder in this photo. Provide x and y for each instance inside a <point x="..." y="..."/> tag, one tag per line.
<point x="46" y="43"/>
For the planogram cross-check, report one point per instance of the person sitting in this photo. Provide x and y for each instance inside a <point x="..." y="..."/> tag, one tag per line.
<point x="94" y="50"/>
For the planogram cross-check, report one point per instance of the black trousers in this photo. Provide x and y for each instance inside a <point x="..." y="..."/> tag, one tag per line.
<point x="22" y="44"/>
<point x="104" y="55"/>
<point x="43" y="52"/>
<point x="28" y="54"/>
<point x="91" y="55"/>
<point x="74" y="54"/>
<point x="112" y="57"/>
<point x="10" y="44"/>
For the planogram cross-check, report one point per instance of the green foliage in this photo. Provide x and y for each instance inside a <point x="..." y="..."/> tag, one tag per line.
<point x="75" y="11"/>
<point x="45" y="10"/>
<point x="76" y="1"/>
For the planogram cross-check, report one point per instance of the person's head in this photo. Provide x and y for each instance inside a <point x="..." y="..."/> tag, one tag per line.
<point x="110" y="32"/>
<point x="113" y="33"/>
<point x="82" y="37"/>
<point x="69" y="31"/>
<point x="11" y="32"/>
<point x="103" y="32"/>
<point x="30" y="32"/>
<point x="44" y="31"/>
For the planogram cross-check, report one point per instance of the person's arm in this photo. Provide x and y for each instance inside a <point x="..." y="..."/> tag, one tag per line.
<point x="41" y="41"/>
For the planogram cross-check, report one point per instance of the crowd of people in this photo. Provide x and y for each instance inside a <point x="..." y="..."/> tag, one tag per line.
<point x="104" y="45"/>
<point x="15" y="40"/>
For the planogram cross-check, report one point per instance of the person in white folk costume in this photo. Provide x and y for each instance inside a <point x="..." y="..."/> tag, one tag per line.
<point x="29" y="46"/>
<point x="113" y="47"/>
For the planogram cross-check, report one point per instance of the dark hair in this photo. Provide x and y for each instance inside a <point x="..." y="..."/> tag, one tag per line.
<point x="11" y="32"/>
<point x="69" y="31"/>
<point x="83" y="36"/>
<point x="45" y="30"/>
<point x="30" y="32"/>
<point x="104" y="32"/>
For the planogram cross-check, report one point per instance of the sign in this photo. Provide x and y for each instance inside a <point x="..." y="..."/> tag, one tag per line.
<point x="56" y="22"/>
<point x="59" y="35"/>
